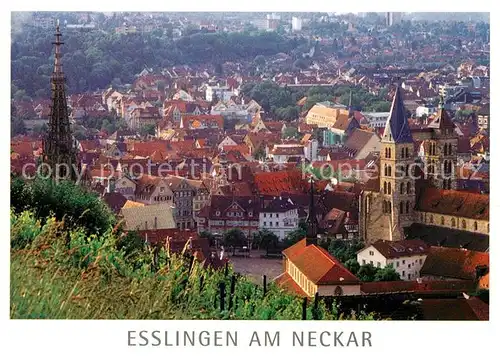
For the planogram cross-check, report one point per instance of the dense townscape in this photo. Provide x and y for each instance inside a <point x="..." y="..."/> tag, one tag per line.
<point x="293" y="166"/>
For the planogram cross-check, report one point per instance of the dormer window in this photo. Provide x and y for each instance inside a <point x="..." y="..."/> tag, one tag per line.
<point x="217" y="213"/>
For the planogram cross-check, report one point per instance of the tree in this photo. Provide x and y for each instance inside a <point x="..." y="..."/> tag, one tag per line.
<point x="259" y="60"/>
<point x="295" y="236"/>
<point x="387" y="273"/>
<point x="148" y="129"/>
<point x="290" y="132"/>
<point x="234" y="238"/>
<point x="352" y="265"/>
<point x="366" y="273"/>
<point x="66" y="200"/>
<point x="266" y="239"/>
<point x="259" y="154"/>
<point x="17" y="126"/>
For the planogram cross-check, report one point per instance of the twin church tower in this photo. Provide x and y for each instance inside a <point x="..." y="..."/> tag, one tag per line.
<point x="408" y="162"/>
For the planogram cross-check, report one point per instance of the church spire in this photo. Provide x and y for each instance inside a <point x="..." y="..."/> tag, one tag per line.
<point x="59" y="147"/>
<point x="442" y="120"/>
<point x="312" y="220"/>
<point x="397" y="129"/>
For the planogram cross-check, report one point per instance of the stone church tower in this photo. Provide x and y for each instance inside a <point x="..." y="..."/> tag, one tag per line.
<point x="60" y="152"/>
<point x="388" y="201"/>
<point x="440" y="151"/>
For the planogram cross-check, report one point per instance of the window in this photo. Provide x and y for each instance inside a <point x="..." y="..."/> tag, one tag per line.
<point x="409" y="265"/>
<point x="371" y="263"/>
<point x="271" y="223"/>
<point x="389" y="188"/>
<point x="276" y="215"/>
<point x="217" y="213"/>
<point x="385" y="187"/>
<point x="409" y="276"/>
<point x="371" y="253"/>
<point x="420" y="261"/>
<point x="389" y="170"/>
<point x="408" y="188"/>
<point x="403" y="262"/>
<point x="403" y="274"/>
<point x="338" y="291"/>
<point x="431" y="219"/>
<point x="364" y="262"/>
<point x="475" y="225"/>
<point x="407" y="207"/>
<point x="442" y="220"/>
<point x="378" y="264"/>
<point x="453" y="222"/>
<point x="265" y="223"/>
<point x="407" y="152"/>
<point x="401" y="207"/>
<point x="402" y="152"/>
<point x="401" y="188"/>
<point x="277" y="223"/>
<point x="264" y="214"/>
<point x="397" y="263"/>
<point x="464" y="224"/>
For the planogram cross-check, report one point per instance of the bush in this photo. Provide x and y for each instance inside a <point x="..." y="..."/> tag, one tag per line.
<point x="65" y="201"/>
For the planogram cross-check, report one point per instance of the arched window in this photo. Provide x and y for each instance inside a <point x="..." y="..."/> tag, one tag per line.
<point x="407" y="170"/>
<point x="464" y="224"/>
<point x="407" y="207"/>
<point x="389" y="188"/>
<point x="389" y="152"/>
<point x="402" y="188"/>
<point x="385" y="169"/>
<point x="445" y="149"/>
<point x="338" y="291"/>
<point x="407" y="153"/>
<point x="402" y="152"/>
<point x="408" y="188"/>
<point x="385" y="187"/>
<point x="452" y="222"/>
<point x="475" y="225"/>
<point x="401" y="207"/>
<point x="442" y="220"/>
<point x="389" y="171"/>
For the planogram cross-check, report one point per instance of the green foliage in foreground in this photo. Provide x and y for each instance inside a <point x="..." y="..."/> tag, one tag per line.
<point x="65" y="200"/>
<point x="86" y="277"/>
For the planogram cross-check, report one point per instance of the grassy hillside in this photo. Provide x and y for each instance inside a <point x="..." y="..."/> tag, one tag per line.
<point x="61" y="274"/>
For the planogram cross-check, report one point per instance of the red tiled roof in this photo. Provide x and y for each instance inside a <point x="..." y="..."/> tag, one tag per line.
<point x="391" y="249"/>
<point x="286" y="282"/>
<point x="455" y="203"/>
<point x="275" y="183"/>
<point x="318" y="265"/>
<point x="454" y="263"/>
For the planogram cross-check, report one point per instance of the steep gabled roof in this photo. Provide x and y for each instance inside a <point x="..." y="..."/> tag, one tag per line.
<point x="442" y="120"/>
<point x="397" y="129"/>
<point x="318" y="265"/>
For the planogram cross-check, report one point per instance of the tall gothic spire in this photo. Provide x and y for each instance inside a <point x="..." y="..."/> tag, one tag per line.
<point x="59" y="147"/>
<point x="397" y="129"/>
<point x="312" y="220"/>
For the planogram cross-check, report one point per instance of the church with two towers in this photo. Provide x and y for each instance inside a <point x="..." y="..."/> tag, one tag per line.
<point x="415" y="192"/>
